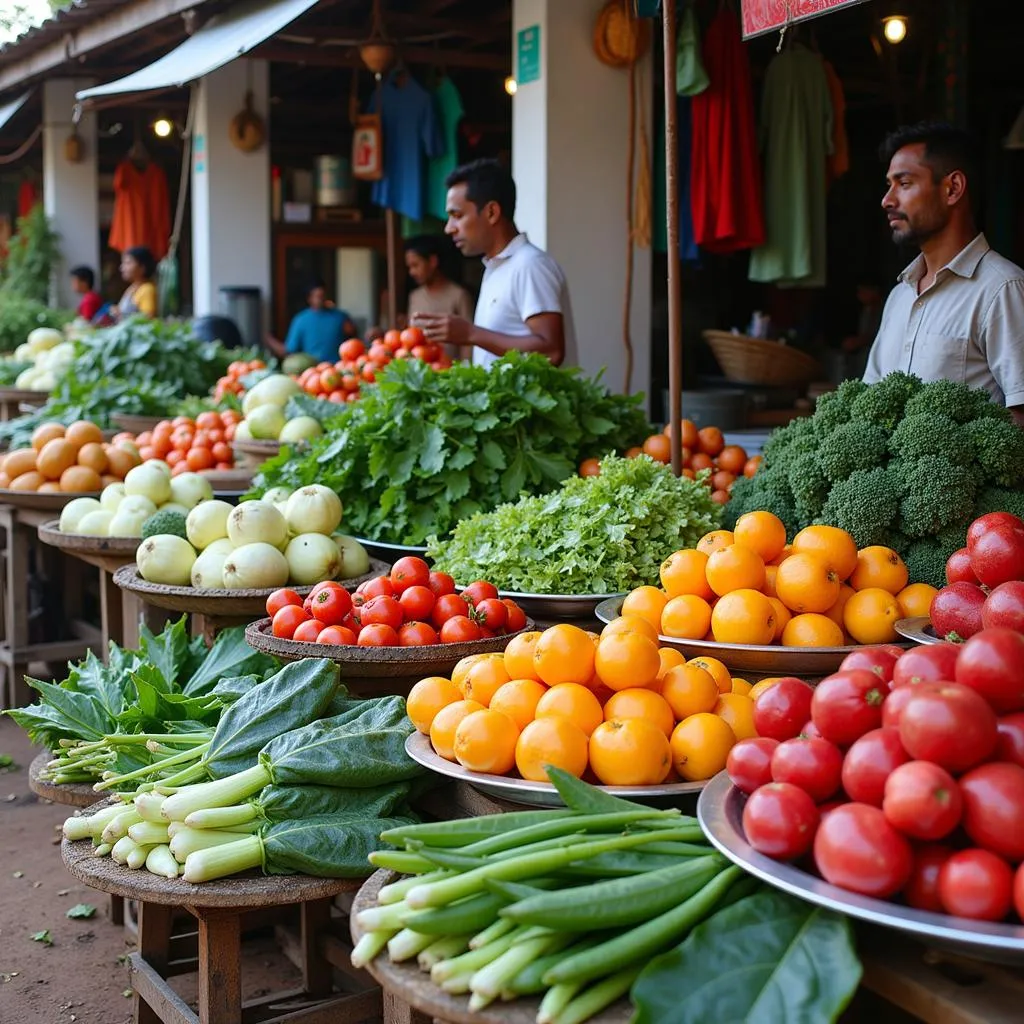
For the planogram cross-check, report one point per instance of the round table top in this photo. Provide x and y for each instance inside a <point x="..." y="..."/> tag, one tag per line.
<point x="72" y="794"/>
<point x="414" y="987"/>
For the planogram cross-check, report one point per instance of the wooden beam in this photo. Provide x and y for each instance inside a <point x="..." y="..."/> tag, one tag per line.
<point x="342" y="57"/>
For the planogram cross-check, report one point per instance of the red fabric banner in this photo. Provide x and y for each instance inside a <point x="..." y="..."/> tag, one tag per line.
<point x="770" y="15"/>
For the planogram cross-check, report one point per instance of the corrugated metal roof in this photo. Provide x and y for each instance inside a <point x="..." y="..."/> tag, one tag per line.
<point x="77" y="14"/>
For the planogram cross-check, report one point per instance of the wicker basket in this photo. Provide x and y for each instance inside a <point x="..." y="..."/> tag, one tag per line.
<point x="748" y="360"/>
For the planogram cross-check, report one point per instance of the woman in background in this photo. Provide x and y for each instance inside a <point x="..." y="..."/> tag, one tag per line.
<point x="137" y="268"/>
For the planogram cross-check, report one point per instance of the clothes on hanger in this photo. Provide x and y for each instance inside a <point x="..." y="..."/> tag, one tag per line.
<point x="449" y="111"/>
<point x="725" y="191"/>
<point x="28" y="196"/>
<point x="142" y="209"/>
<point x="796" y="133"/>
<point x="839" y="159"/>
<point x="691" y="78"/>
<point x="688" y="251"/>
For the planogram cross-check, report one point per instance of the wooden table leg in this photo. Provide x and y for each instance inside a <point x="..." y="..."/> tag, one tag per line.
<point x="117" y="910"/>
<point x="111" y="612"/>
<point x="220" y="967"/>
<point x="155" y="949"/>
<point x="395" y="1011"/>
<point x="16" y="611"/>
<point x="316" y="971"/>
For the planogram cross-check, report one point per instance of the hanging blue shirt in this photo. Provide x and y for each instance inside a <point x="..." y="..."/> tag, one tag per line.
<point x="412" y="134"/>
<point x="318" y="333"/>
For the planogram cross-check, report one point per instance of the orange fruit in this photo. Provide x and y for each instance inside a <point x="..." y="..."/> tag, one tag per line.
<point x="647" y="602"/>
<point x="518" y="699"/>
<point x="700" y="745"/>
<point x="626" y="660"/>
<point x="646" y="704"/>
<point x="553" y="740"/>
<point x="879" y="566"/>
<point x="835" y="546"/>
<point x="743" y="617"/>
<point x="631" y="624"/>
<point x="82" y="432"/>
<point x="715" y="541"/>
<point x="446" y="721"/>
<point x="119" y="462"/>
<point x="30" y="481"/>
<point x="483" y="679"/>
<point x="5" y="480"/>
<point x="710" y="440"/>
<point x="427" y="698"/>
<point x="916" y="599"/>
<point x="564" y="654"/>
<point x="782" y="617"/>
<point x="812" y="629"/>
<point x="630" y="752"/>
<point x="835" y="613"/>
<point x="741" y="686"/>
<point x="485" y="741"/>
<point x="763" y="684"/>
<point x="687" y="617"/>
<point x="670" y="658"/>
<point x="463" y="666"/>
<point x="93" y="456"/>
<point x="770" y="572"/>
<point x="782" y="555"/>
<point x="717" y="669"/>
<point x="732" y="458"/>
<point x="590" y="467"/>
<point x="46" y="432"/>
<point x="870" y="616"/>
<point x="807" y="583"/>
<point x="689" y="690"/>
<point x="683" y="572"/>
<point x="25" y="460"/>
<point x="737" y="711"/>
<point x="735" y="568"/>
<point x="763" y="532"/>
<point x="80" y="478"/>
<point x="659" y="447"/>
<point x="518" y="656"/>
<point x="49" y="487"/>
<point x="574" y="702"/>
<point x="56" y="456"/>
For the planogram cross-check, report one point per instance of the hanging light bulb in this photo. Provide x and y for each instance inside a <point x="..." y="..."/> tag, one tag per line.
<point x="162" y="128"/>
<point x="511" y="85"/>
<point x="895" y="28"/>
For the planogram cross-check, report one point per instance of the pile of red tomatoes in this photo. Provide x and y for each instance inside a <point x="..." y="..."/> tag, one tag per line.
<point x="191" y="445"/>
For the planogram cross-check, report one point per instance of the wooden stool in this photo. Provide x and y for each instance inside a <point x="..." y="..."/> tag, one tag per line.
<point x="218" y="908"/>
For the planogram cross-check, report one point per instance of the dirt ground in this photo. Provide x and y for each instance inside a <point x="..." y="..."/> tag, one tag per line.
<point x="82" y="976"/>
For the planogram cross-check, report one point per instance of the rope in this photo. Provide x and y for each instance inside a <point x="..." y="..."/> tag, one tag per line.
<point x="11" y="158"/>
<point x="186" y="168"/>
<point x="627" y="305"/>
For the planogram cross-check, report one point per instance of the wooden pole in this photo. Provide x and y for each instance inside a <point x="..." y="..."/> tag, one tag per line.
<point x="675" y="334"/>
<point x="391" y="229"/>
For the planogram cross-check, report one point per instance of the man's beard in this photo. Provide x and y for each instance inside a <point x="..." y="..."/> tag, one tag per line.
<point x="905" y="234"/>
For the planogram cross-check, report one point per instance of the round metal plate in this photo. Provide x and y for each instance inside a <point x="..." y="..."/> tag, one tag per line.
<point x="919" y="630"/>
<point x="559" y="606"/>
<point x="720" y="811"/>
<point x="391" y="552"/>
<point x="536" y="794"/>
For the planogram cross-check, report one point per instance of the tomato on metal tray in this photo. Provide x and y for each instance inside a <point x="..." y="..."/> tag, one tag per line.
<point x="749" y="763"/>
<point x="992" y="663"/>
<point x="929" y="663"/>
<point x="994" y="808"/>
<point x="782" y="709"/>
<point x="848" y="704"/>
<point x="922" y="800"/>
<point x="857" y="849"/>
<point x="814" y="765"/>
<point x="409" y="571"/>
<point x="922" y="889"/>
<point x="976" y="884"/>
<point x="949" y="724"/>
<point x="869" y="761"/>
<point x="957" y="609"/>
<point x="780" y="821"/>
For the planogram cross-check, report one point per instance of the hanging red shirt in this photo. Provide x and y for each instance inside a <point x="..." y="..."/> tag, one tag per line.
<point x="142" y="213"/>
<point x="725" y="182"/>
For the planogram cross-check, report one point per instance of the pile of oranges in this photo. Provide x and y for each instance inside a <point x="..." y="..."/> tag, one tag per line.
<point x="703" y="448"/>
<point x="191" y="445"/>
<point x="748" y="586"/>
<point x="615" y="708"/>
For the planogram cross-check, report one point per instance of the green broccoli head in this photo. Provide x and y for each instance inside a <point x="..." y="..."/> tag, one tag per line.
<point x="998" y="448"/>
<point x="925" y="433"/>
<point x="833" y="407"/>
<point x="999" y="499"/>
<point x="797" y="435"/>
<point x="935" y="494"/>
<point x="808" y="485"/>
<point x="865" y="504"/>
<point x="165" y="521"/>
<point x="883" y="403"/>
<point x="926" y="561"/>
<point x="953" y="399"/>
<point x="766" y="489"/>
<point x="854" y="445"/>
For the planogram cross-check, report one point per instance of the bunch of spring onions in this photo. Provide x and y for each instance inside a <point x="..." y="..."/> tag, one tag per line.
<point x="569" y="904"/>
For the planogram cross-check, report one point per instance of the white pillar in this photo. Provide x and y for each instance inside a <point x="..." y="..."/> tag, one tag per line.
<point x="569" y="145"/>
<point x="70" y="191"/>
<point x="230" y="190"/>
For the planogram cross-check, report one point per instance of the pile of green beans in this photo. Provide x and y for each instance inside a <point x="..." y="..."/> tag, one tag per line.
<point x="562" y="905"/>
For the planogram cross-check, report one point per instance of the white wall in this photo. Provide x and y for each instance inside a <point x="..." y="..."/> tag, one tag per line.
<point x="569" y="143"/>
<point x="70" y="191"/>
<point x="231" y="242"/>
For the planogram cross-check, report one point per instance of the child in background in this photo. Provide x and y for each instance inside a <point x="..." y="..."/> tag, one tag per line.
<point x="82" y="283"/>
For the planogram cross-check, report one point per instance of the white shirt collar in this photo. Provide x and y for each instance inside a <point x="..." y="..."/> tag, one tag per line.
<point x="517" y="243"/>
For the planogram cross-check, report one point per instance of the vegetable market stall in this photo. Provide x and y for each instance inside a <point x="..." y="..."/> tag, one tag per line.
<point x="13" y="399"/>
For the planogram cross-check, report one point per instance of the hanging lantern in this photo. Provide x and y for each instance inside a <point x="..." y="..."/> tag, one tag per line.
<point x="378" y="53"/>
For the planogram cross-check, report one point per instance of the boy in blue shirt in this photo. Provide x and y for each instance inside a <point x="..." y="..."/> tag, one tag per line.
<point x="318" y="330"/>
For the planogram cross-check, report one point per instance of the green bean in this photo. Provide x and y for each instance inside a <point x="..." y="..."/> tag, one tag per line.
<point x="530" y="980"/>
<point x="555" y="1000"/>
<point x="490" y="980"/>
<point x="643" y="941"/>
<point x="446" y="948"/>
<point x="468" y="915"/>
<point x="620" y="866"/>
<point x="395" y="892"/>
<point x="591" y="1002"/>
<point x="513" y="891"/>
<point x="462" y="831"/>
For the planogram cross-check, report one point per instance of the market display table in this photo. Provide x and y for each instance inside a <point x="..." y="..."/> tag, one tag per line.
<point x="12" y="400"/>
<point x="218" y="908"/>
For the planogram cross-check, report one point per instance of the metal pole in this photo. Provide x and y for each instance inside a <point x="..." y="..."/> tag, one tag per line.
<point x="675" y="335"/>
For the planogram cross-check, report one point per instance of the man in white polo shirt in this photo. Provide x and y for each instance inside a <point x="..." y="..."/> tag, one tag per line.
<point x="524" y="297"/>
<point x="957" y="312"/>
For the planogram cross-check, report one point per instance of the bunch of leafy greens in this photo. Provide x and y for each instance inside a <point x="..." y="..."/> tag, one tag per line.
<point x="20" y="316"/>
<point x="594" y="535"/>
<point x="422" y="450"/>
<point x="32" y="254"/>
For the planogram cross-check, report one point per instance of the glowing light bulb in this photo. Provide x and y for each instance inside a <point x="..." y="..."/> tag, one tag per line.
<point x="162" y="128"/>
<point x="511" y="85"/>
<point x="895" y="28"/>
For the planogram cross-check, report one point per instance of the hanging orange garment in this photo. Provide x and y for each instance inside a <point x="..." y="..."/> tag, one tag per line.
<point x="142" y="214"/>
<point x="838" y="162"/>
<point x="27" y="198"/>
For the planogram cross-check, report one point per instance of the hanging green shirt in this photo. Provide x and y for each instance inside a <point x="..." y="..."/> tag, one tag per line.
<point x="449" y="112"/>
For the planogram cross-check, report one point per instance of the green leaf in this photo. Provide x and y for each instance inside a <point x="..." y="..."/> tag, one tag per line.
<point x="769" y="957"/>
<point x="81" y="910"/>
<point x="432" y="456"/>
<point x="43" y="937"/>
<point x="167" y="652"/>
<point x="492" y="455"/>
<point x="229" y="656"/>
<point x="81" y="714"/>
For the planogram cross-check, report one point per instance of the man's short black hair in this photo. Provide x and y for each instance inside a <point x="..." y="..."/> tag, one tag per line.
<point x="946" y="147"/>
<point x="486" y="181"/>
<point x="85" y="275"/>
<point x="314" y="283"/>
<point x="425" y="246"/>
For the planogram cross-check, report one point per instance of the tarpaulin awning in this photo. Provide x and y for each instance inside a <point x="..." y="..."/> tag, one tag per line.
<point x="771" y="15"/>
<point x="218" y="42"/>
<point x="8" y="110"/>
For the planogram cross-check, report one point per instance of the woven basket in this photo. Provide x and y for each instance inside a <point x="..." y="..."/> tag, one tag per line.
<point x="748" y="360"/>
<point x="620" y="37"/>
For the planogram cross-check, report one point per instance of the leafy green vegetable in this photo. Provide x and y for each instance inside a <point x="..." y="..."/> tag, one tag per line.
<point x="306" y="405"/>
<point x="44" y="937"/>
<point x="81" y="910"/>
<point x="422" y="450"/>
<point x="767" y="957"/>
<point x="595" y="535"/>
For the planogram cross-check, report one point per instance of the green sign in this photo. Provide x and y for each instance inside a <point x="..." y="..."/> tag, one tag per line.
<point x="528" y="55"/>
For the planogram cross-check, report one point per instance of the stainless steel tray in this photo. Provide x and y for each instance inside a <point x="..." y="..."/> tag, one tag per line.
<point x="559" y="606"/>
<point x="720" y="811"/>
<point x="392" y="552"/>
<point x="535" y="794"/>
<point x="918" y="629"/>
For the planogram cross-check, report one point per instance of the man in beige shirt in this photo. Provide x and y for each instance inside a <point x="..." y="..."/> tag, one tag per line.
<point x="435" y="294"/>
<point x="957" y="312"/>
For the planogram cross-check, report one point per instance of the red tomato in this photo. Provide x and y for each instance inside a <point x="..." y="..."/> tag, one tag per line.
<point x="340" y="635"/>
<point x="331" y="605"/>
<point x="459" y="629"/>
<point x="813" y="765"/>
<point x="1010" y="746"/>
<point x="368" y="374"/>
<point x="379" y="587"/>
<point x="783" y="708"/>
<point x="199" y="459"/>
<point x="896" y="701"/>
<point x="411" y="337"/>
<point x="872" y="659"/>
<point x="857" y="849"/>
<point x="992" y="663"/>
<point x="382" y="611"/>
<point x="441" y="583"/>
<point x="998" y="555"/>
<point x="749" y="763"/>
<point x="976" y="884"/>
<point x="417" y="634"/>
<point x="492" y="614"/>
<point x="417" y="603"/>
<point x="325" y="585"/>
<point x="448" y="606"/>
<point x="868" y="763"/>
<point x="1018" y="892"/>
<point x="922" y="800"/>
<point x="479" y="591"/>
<point x="223" y="452"/>
<point x="929" y="663"/>
<point x="286" y="621"/>
<point x="516" y="616"/>
<point x="780" y="821"/>
<point x="307" y="632"/>
<point x="377" y="635"/>
<point x="949" y="724"/>
<point x="409" y="572"/>
<point x="351" y="349"/>
<point x="994" y="808"/>
<point x="847" y="705"/>
<point x="281" y="599"/>
<point x="984" y="523"/>
<point x="349" y="383"/>
<point x="810" y="731"/>
<point x="922" y="890"/>
<point x="956" y="609"/>
<point x="1005" y="607"/>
